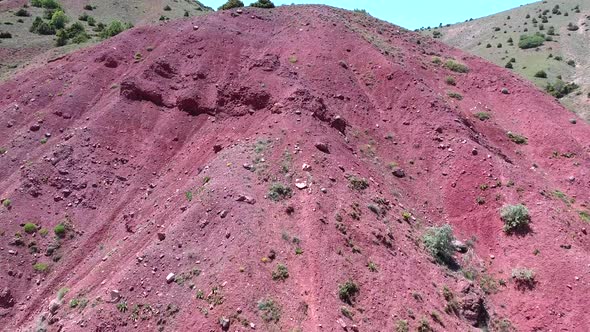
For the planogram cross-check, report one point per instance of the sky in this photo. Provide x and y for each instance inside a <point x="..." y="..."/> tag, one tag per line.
<point x="410" y="14"/>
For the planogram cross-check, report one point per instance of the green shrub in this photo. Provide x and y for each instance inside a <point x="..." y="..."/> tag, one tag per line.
<point x="41" y="27"/>
<point x="348" y="291"/>
<point x="515" y="217"/>
<point x="456" y="66"/>
<point x="482" y="116"/>
<point x="488" y="45"/>
<point x="438" y="242"/>
<point x="6" y="203"/>
<point x="122" y="306"/>
<point x="524" y="276"/>
<point x="402" y="326"/>
<point x="48" y="4"/>
<point x="357" y="183"/>
<point x="436" y="60"/>
<point x="279" y="191"/>
<point x="516" y="138"/>
<point x="30" y="228"/>
<point x="167" y="8"/>
<point x="584" y="215"/>
<point x="270" y="311"/>
<point x="455" y="95"/>
<point x="43" y="232"/>
<point x="509" y="65"/>
<point x="281" y="273"/>
<point x="60" y="230"/>
<point x="263" y="4"/>
<point x="91" y="21"/>
<point x="74" y="302"/>
<point x="531" y="41"/>
<point x="231" y="4"/>
<point x="551" y="31"/>
<point x="572" y="27"/>
<point x="560" y="89"/>
<point x="41" y="267"/>
<point x="571" y="63"/>
<point x="424" y="326"/>
<point x="541" y="74"/>
<point x="61" y="38"/>
<point x="58" y="19"/>
<point x="22" y="13"/>
<point x="115" y="28"/>
<point x="450" y="80"/>
<point x="88" y="7"/>
<point x="3" y="150"/>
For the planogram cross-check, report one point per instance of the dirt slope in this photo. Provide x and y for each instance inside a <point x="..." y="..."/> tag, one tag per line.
<point x="163" y="150"/>
<point x="489" y="38"/>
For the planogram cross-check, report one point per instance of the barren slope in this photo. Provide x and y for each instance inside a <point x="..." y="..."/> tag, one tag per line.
<point x="166" y="161"/>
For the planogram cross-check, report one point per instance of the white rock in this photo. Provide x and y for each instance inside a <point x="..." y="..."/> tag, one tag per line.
<point x="170" y="277"/>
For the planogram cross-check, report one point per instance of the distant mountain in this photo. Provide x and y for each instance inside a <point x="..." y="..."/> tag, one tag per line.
<point x="20" y="47"/>
<point x="562" y="58"/>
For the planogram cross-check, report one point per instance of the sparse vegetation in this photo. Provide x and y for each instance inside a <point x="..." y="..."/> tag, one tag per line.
<point x="122" y="306"/>
<point x="438" y="241"/>
<point x="278" y="192"/>
<point x="358" y="183"/>
<point x="22" y="13"/>
<point x="482" y="116"/>
<point x="515" y="217"/>
<point x="270" y="311"/>
<point x="281" y="273"/>
<point x="524" y="277"/>
<point x="7" y="203"/>
<point x="450" y="80"/>
<point x="348" y="291"/>
<point x="455" y="95"/>
<point x="456" y="66"/>
<point x="516" y="138"/>
<point x="402" y="326"/>
<point x="41" y="267"/>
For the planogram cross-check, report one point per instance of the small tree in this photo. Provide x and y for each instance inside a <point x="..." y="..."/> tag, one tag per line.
<point x="263" y="4"/>
<point x="59" y="19"/>
<point x="231" y="4"/>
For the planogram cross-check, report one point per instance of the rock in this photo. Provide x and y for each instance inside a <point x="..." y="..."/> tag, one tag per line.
<point x="272" y="255"/>
<point x="571" y="178"/>
<point x="248" y="166"/>
<point x="339" y="124"/>
<point x="301" y="185"/>
<point x="195" y="27"/>
<point x="217" y="148"/>
<point x="505" y="91"/>
<point x="474" y="152"/>
<point x="459" y="246"/>
<point x="224" y="322"/>
<point x="161" y="236"/>
<point x="247" y="199"/>
<point x="54" y="306"/>
<point x="398" y="172"/>
<point x="306" y="167"/>
<point x="35" y="127"/>
<point x="341" y="322"/>
<point x="324" y="190"/>
<point x="223" y="213"/>
<point x="6" y="299"/>
<point x="473" y="308"/>
<point x="252" y="326"/>
<point x="573" y="121"/>
<point x="115" y="295"/>
<point x="566" y="246"/>
<point x="170" y="277"/>
<point x="322" y="147"/>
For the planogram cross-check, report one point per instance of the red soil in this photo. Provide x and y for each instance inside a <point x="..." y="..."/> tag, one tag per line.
<point x="130" y="137"/>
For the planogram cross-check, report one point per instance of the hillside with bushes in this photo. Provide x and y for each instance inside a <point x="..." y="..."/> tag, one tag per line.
<point x="51" y="28"/>
<point x="545" y="42"/>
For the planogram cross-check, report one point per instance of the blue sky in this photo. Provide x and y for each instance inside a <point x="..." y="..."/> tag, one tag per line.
<point x="411" y="14"/>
